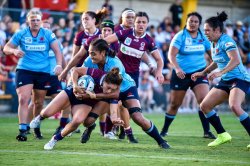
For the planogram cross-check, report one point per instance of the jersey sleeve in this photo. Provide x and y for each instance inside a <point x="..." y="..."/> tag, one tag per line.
<point x="50" y="36"/>
<point x="229" y="45"/>
<point x="122" y="34"/>
<point x="87" y="62"/>
<point x="77" y="40"/>
<point x="151" y="45"/>
<point x="177" y="40"/>
<point x="15" y="40"/>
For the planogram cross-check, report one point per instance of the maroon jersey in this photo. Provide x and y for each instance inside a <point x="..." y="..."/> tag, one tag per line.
<point x="81" y="37"/>
<point x="114" y="46"/>
<point x="132" y="48"/>
<point x="118" y="28"/>
<point x="98" y="76"/>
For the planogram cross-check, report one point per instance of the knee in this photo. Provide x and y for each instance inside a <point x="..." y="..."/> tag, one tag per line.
<point x="234" y="107"/>
<point x="44" y="113"/>
<point x="205" y="107"/>
<point x="23" y="99"/>
<point x="38" y="103"/>
<point x="174" y="105"/>
<point x="76" y="122"/>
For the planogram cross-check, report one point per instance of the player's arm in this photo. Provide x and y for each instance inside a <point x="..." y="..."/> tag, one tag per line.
<point x="173" y="51"/>
<point x="76" y="73"/>
<point x="73" y="62"/>
<point x="158" y="73"/>
<point x="114" y="114"/>
<point x="234" y="61"/>
<point x="75" y="50"/>
<point x="111" y="38"/>
<point x="59" y="57"/>
<point x="10" y="48"/>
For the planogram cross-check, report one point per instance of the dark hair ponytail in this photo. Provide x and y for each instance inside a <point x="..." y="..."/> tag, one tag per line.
<point x="102" y="45"/>
<point x="113" y="76"/>
<point x="217" y="21"/>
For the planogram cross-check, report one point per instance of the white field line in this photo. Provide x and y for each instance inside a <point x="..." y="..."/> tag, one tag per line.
<point x="127" y="156"/>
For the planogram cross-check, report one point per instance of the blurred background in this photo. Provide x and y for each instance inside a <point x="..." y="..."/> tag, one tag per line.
<point x="64" y="15"/>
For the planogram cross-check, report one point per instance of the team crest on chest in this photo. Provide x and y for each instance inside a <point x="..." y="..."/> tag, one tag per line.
<point x="28" y="40"/>
<point x="84" y="41"/>
<point x="188" y="41"/>
<point x="128" y="41"/>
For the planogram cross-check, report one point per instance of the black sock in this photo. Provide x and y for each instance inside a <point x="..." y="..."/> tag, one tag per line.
<point x="168" y="120"/>
<point x="246" y="124"/>
<point x="204" y="122"/>
<point x="153" y="132"/>
<point x="214" y="119"/>
<point x="58" y="137"/>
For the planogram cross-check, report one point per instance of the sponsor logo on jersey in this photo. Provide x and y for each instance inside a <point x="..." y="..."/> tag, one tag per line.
<point x="35" y="47"/>
<point x="28" y="40"/>
<point x="128" y="41"/>
<point x="218" y="59"/>
<point x="53" y="35"/>
<point x="229" y="44"/>
<point x="131" y="51"/>
<point x="194" y="48"/>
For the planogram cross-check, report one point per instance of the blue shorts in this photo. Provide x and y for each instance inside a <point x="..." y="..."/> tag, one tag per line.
<point x="234" y="83"/>
<point x="55" y="86"/>
<point x="183" y="84"/>
<point x="131" y="93"/>
<point x="74" y="101"/>
<point x="40" y="80"/>
<point x="135" y="77"/>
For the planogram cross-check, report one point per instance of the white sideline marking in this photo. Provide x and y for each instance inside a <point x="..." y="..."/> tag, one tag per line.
<point x="125" y="155"/>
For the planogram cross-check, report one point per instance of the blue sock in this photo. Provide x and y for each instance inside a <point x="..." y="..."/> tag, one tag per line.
<point x="153" y="132"/>
<point x="245" y="121"/>
<point x="214" y="119"/>
<point x="22" y="127"/>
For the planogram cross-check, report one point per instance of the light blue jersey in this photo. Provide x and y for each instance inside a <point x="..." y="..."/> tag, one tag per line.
<point x="127" y="81"/>
<point x="191" y="51"/>
<point x="219" y="56"/>
<point x="36" y="49"/>
<point x="52" y="59"/>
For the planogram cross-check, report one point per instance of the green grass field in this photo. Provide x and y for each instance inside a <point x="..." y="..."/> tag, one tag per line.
<point x="188" y="148"/>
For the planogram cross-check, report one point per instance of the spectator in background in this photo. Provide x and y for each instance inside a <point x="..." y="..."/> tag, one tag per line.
<point x="145" y="90"/>
<point x="166" y="21"/>
<point x="110" y="9"/>
<point x="238" y="32"/>
<point x="176" y="11"/>
<point x="229" y="29"/>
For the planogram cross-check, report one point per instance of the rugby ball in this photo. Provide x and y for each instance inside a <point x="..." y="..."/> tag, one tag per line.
<point x="86" y="82"/>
